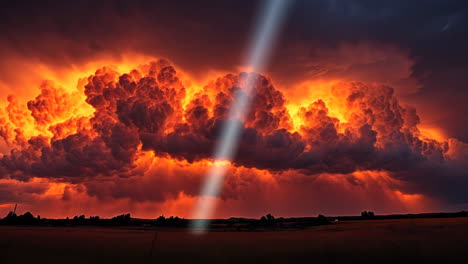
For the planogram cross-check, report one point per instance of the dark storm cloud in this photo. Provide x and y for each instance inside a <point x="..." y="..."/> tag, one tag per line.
<point x="193" y="33"/>
<point x="12" y="192"/>
<point x="433" y="32"/>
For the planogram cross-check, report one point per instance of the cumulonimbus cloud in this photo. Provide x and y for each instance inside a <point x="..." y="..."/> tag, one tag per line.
<point x="149" y="110"/>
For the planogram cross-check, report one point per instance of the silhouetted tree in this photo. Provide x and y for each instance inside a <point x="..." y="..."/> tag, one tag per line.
<point x="367" y="215"/>
<point x="268" y="220"/>
<point x="121" y="219"/>
<point x="94" y="220"/>
<point x="322" y="220"/>
<point x="10" y="218"/>
<point x="160" y="221"/>
<point x="10" y="215"/>
<point x="79" y="220"/>
<point x="26" y="219"/>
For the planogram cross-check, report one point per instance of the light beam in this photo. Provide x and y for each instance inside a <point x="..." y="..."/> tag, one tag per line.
<point x="271" y="16"/>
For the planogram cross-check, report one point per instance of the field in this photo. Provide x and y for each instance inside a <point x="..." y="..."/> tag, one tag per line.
<point x="437" y="240"/>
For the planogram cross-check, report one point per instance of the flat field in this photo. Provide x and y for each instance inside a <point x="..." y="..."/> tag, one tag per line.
<point x="436" y="240"/>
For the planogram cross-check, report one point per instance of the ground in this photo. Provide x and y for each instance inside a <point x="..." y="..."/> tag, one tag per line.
<point x="437" y="240"/>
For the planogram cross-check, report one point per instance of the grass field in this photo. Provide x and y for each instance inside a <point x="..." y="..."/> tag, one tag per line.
<point x="439" y="240"/>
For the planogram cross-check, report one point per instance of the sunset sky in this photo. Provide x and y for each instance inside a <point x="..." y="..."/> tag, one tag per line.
<point x="109" y="107"/>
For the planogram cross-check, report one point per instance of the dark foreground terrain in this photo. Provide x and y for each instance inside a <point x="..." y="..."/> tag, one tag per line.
<point x="430" y="240"/>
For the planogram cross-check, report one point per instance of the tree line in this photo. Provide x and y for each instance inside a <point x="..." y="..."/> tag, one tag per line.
<point x="266" y="221"/>
<point x="119" y="220"/>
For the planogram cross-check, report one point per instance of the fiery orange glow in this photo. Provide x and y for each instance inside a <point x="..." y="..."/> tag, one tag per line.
<point x="308" y="92"/>
<point x="156" y="158"/>
<point x="433" y="133"/>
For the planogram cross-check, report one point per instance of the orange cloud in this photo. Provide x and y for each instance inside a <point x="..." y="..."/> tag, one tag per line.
<point x="138" y="137"/>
